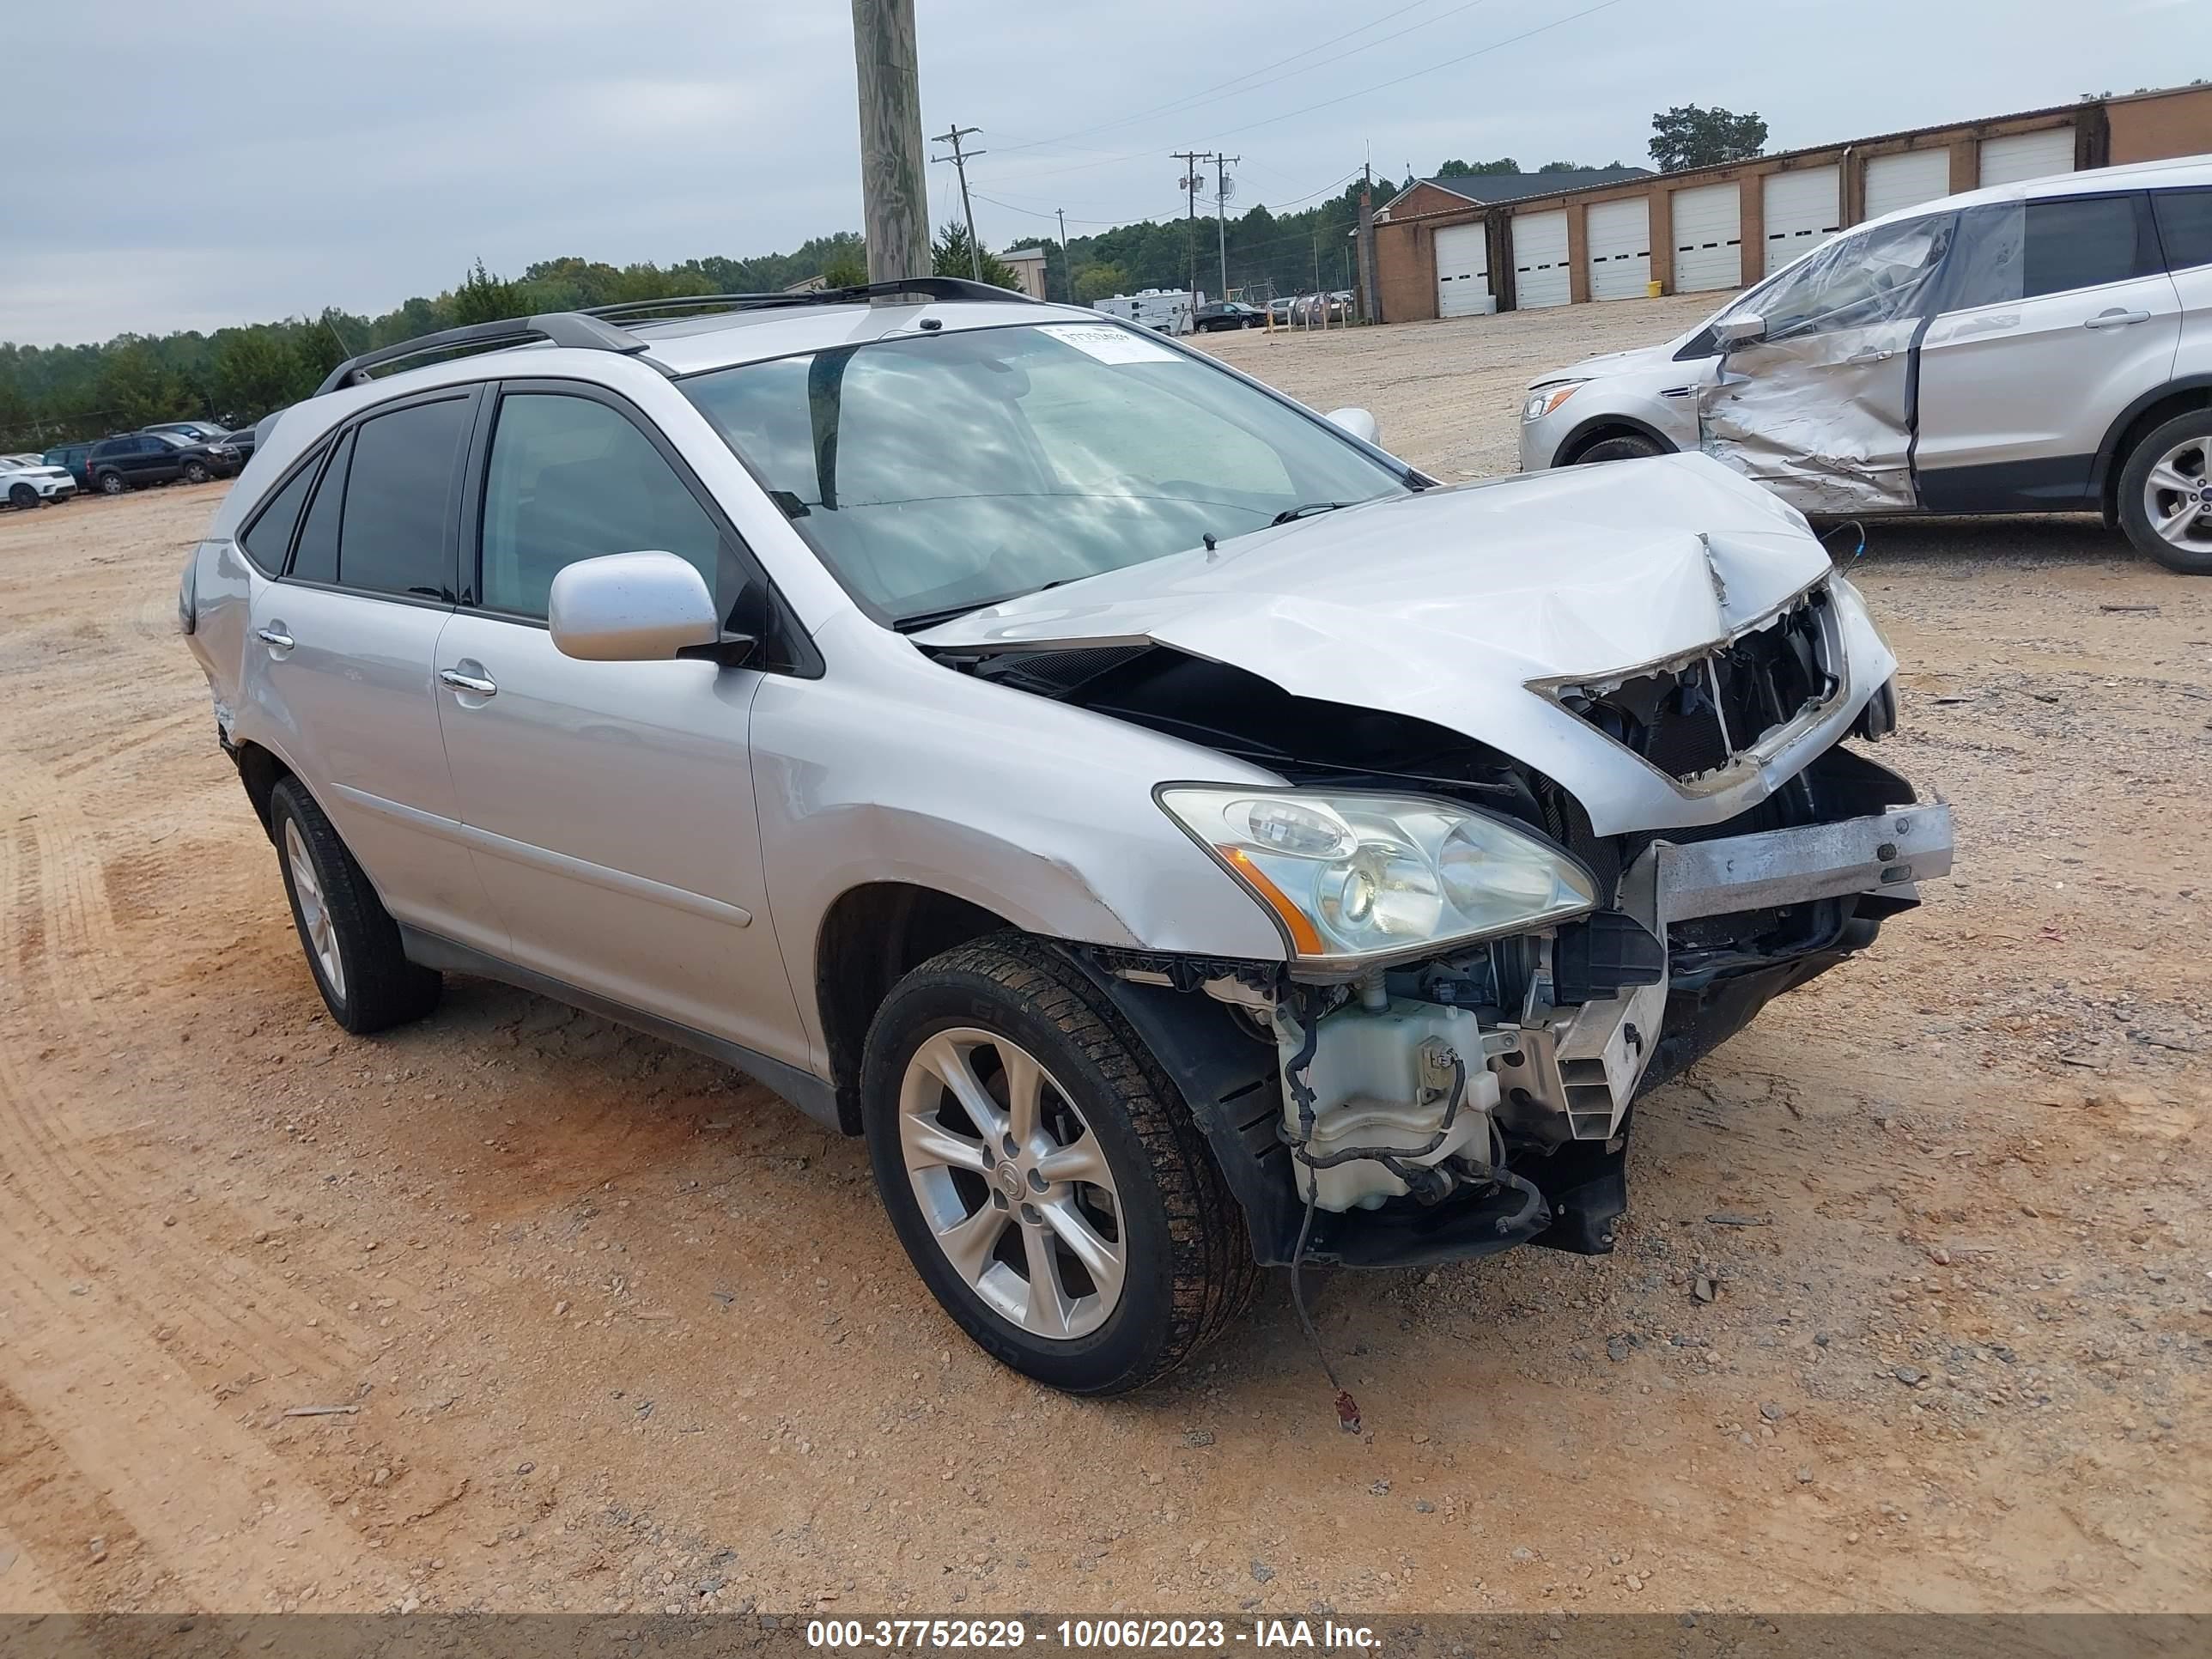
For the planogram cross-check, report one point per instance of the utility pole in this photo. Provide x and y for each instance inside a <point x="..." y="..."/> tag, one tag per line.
<point x="960" y="166"/>
<point x="1190" y="159"/>
<point x="1371" y="303"/>
<point x="1221" y="164"/>
<point x="1066" y="271"/>
<point x="894" y="196"/>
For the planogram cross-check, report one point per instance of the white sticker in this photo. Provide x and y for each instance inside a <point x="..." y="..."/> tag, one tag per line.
<point x="1109" y="342"/>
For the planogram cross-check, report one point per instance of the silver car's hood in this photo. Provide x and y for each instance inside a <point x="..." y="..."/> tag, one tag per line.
<point x="1445" y="604"/>
<point x="1634" y="362"/>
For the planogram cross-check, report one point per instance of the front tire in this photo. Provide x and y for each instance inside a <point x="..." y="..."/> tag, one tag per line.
<point x="1622" y="446"/>
<point x="2166" y="493"/>
<point x="21" y="496"/>
<point x="1045" y="1176"/>
<point x="196" y="472"/>
<point x="352" y="943"/>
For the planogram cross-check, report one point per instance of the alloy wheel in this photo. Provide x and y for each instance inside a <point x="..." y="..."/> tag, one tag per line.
<point x="1012" y="1183"/>
<point x="314" y="913"/>
<point x="2178" y="495"/>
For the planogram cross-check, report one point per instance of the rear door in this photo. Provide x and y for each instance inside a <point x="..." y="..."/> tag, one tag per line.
<point x="1820" y="409"/>
<point x="609" y="804"/>
<point x="340" y="656"/>
<point x="2058" y="316"/>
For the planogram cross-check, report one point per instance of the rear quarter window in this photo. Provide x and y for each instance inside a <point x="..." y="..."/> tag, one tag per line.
<point x="2185" y="226"/>
<point x="267" y="537"/>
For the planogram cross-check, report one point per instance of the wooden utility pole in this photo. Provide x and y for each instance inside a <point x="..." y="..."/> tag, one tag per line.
<point x="1221" y="165"/>
<point x="894" y="191"/>
<point x="1371" y="303"/>
<point x="960" y="166"/>
<point x="1066" y="271"/>
<point x="1190" y="159"/>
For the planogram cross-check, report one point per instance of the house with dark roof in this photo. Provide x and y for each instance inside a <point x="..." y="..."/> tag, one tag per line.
<point x="1489" y="189"/>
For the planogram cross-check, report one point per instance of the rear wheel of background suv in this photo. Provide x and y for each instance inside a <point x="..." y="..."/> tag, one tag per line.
<point x="1049" y="1183"/>
<point x="2166" y="493"/>
<point x="111" y="483"/>
<point x="352" y="943"/>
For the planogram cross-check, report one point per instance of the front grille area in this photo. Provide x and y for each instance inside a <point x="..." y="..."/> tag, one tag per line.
<point x="1693" y="718"/>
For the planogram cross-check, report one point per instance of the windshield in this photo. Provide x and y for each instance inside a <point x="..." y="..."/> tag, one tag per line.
<point x="937" y="472"/>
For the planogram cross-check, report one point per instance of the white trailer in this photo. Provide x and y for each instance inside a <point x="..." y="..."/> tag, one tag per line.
<point x="1167" y="309"/>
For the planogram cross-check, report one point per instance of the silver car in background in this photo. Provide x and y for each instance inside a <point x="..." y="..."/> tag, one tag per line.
<point x="2030" y="348"/>
<point x="1180" y="836"/>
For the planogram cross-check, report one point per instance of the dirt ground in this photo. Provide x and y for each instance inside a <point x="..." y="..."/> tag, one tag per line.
<point x="613" y="1328"/>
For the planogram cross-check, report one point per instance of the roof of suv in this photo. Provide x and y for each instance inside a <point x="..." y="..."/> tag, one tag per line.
<point x="2183" y="172"/>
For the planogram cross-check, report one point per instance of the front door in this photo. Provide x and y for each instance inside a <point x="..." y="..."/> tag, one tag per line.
<point x="2060" y="314"/>
<point x="1820" y="410"/>
<point x="610" y="804"/>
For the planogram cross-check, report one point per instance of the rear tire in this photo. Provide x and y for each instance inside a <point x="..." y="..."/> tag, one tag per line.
<point x="2168" y="472"/>
<point x="1624" y="447"/>
<point x="1176" y="1260"/>
<point x="111" y="483"/>
<point x="351" y="942"/>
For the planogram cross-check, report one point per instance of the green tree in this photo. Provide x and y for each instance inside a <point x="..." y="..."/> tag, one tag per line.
<point x="948" y="256"/>
<point x="845" y="271"/>
<point x="137" y="388"/>
<point x="1475" y="169"/>
<point x="485" y="298"/>
<point x="1095" y="283"/>
<point x="256" y="370"/>
<point x="1688" y="136"/>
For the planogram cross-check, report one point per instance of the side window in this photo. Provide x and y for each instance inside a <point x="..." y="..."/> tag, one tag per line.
<point x="2185" y="225"/>
<point x="1871" y="276"/>
<point x="316" y="558"/>
<point x="395" y="535"/>
<point x="2023" y="250"/>
<point x="269" y="538"/>
<point x="571" y="479"/>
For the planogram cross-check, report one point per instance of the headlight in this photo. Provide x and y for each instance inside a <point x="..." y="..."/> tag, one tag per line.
<point x="1542" y="403"/>
<point x="1355" y="877"/>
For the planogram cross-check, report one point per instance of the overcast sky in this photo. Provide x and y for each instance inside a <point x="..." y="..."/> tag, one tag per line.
<point x="191" y="167"/>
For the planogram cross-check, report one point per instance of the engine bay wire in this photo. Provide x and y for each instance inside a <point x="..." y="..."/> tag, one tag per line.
<point x="1294" y="1075"/>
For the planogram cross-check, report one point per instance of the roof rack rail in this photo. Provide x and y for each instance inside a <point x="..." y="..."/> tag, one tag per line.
<point x="934" y="287"/>
<point x="561" y="328"/>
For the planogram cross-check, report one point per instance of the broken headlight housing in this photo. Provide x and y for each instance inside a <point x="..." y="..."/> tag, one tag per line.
<point x="1353" y="879"/>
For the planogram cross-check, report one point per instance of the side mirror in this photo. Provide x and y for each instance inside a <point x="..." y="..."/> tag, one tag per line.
<point x="1748" y="329"/>
<point x="1358" y="422"/>
<point x="630" y="607"/>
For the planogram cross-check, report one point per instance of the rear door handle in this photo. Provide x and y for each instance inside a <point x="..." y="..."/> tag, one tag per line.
<point x="472" y="684"/>
<point x="1869" y="358"/>
<point x="274" y="637"/>
<point x="2116" y="318"/>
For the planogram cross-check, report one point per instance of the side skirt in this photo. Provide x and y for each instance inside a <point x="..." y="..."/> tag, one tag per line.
<point x="817" y="1099"/>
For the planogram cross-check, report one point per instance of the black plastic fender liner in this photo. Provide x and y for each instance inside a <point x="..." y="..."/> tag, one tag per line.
<point x="1231" y="1082"/>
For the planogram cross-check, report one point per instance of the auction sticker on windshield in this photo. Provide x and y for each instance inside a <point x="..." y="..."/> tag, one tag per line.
<point x="1109" y="344"/>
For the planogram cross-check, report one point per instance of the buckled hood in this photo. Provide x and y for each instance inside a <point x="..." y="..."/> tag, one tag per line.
<point x="1445" y="606"/>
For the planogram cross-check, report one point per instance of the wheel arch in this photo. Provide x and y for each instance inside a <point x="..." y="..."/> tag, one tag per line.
<point x="1599" y="428"/>
<point x="2139" y="418"/>
<point x="261" y="769"/>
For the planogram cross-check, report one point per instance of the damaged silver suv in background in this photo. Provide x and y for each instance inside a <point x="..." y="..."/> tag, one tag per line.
<point x="1179" y="836"/>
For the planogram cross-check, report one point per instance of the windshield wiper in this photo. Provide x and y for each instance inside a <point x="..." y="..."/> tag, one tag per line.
<point x="922" y="619"/>
<point x="1291" y="514"/>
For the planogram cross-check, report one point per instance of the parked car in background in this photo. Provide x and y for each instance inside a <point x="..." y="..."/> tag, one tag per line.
<point x="138" y="459"/>
<point x="2037" y="347"/>
<point x="28" y="481"/>
<point x="198" y="432"/>
<point x="1177" y="836"/>
<point x="70" y="458"/>
<point x="1229" y="313"/>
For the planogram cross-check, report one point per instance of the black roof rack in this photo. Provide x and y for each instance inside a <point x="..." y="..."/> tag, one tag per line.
<point x="589" y="328"/>
<point x="933" y="288"/>
<point x="563" y="328"/>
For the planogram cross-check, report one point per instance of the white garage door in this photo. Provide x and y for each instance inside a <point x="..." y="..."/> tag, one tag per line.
<point x="1803" y="210"/>
<point x="2027" y="155"/>
<point x="1707" y="238"/>
<point x="1463" y="270"/>
<point x="1540" y="260"/>
<point x="1619" y="234"/>
<point x="1906" y="179"/>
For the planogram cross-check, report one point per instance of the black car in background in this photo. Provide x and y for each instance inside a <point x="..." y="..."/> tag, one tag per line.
<point x="138" y="459"/>
<point x="1228" y="314"/>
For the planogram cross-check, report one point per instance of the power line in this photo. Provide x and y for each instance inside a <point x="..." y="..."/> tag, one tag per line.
<point x="960" y="166"/>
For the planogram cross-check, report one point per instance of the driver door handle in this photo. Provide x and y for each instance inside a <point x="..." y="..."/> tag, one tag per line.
<point x="470" y="683"/>
<point x="2116" y="318"/>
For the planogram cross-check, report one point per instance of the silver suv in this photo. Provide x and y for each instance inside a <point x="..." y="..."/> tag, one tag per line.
<point x="2043" y="347"/>
<point x="1180" y="836"/>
